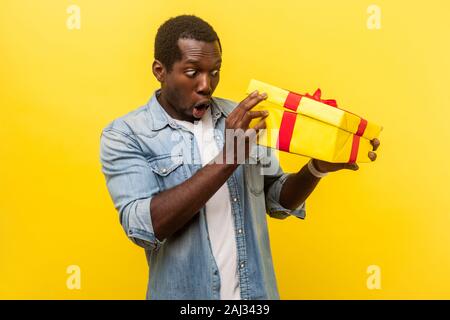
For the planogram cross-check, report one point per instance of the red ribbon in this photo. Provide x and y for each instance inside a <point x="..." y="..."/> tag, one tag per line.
<point x="286" y="130"/>
<point x="316" y="96"/>
<point x="288" y="122"/>
<point x="293" y="99"/>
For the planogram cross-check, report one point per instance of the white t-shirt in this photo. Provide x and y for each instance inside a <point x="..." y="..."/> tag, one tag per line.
<point x="218" y="212"/>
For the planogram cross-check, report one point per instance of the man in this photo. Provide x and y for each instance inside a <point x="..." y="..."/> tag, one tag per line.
<point x="199" y="216"/>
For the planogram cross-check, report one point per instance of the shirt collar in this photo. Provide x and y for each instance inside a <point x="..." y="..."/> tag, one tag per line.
<point x="159" y="117"/>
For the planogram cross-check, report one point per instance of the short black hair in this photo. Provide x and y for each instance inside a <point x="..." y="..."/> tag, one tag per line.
<point x="181" y="27"/>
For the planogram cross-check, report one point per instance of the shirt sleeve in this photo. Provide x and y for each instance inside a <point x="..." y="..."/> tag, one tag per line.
<point x="274" y="180"/>
<point x="131" y="184"/>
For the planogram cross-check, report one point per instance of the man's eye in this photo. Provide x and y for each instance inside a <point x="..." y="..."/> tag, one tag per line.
<point x="215" y="72"/>
<point x="191" y="73"/>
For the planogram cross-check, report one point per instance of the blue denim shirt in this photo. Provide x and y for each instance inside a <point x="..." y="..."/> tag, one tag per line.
<point x="141" y="156"/>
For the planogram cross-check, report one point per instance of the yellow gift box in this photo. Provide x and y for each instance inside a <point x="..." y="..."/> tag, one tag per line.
<point x="310" y="126"/>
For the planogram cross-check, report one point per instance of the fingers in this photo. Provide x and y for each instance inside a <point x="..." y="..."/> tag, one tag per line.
<point x="253" y="100"/>
<point x="375" y="144"/>
<point x="372" y="155"/>
<point x="248" y="103"/>
<point x="251" y="132"/>
<point x="260" y="125"/>
<point x="351" y="166"/>
<point x="241" y="116"/>
<point x="249" y="115"/>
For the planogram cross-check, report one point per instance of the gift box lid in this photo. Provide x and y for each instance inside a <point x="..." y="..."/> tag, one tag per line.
<point x="316" y="108"/>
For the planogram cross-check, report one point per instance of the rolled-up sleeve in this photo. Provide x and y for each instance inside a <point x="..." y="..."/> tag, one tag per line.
<point x="273" y="184"/>
<point x="131" y="184"/>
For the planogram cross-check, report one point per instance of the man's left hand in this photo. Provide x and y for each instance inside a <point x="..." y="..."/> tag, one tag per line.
<point x="324" y="166"/>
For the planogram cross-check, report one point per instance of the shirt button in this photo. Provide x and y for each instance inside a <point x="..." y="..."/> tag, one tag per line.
<point x="240" y="231"/>
<point x="234" y="199"/>
<point x="242" y="265"/>
<point x="164" y="170"/>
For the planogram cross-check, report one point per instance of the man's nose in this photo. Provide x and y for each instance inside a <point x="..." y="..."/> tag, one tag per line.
<point x="204" y="85"/>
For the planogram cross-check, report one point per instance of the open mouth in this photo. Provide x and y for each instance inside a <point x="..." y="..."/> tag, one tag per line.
<point x="202" y="105"/>
<point x="200" y="108"/>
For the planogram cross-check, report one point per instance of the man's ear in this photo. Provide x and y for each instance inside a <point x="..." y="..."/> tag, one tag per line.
<point x="159" y="71"/>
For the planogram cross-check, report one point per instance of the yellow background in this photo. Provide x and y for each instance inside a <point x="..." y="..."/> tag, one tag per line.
<point x="60" y="87"/>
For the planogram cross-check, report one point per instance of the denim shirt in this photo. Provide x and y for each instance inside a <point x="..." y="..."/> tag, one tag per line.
<point x="144" y="153"/>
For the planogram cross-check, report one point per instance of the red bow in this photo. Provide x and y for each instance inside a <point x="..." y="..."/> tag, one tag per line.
<point x="316" y="96"/>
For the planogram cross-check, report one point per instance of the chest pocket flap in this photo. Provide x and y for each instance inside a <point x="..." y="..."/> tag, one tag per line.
<point x="165" y="164"/>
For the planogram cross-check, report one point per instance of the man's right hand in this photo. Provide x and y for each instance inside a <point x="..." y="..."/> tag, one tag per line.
<point x="237" y="125"/>
<point x="167" y="215"/>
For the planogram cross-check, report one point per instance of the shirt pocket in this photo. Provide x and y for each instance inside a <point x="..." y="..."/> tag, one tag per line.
<point x="169" y="170"/>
